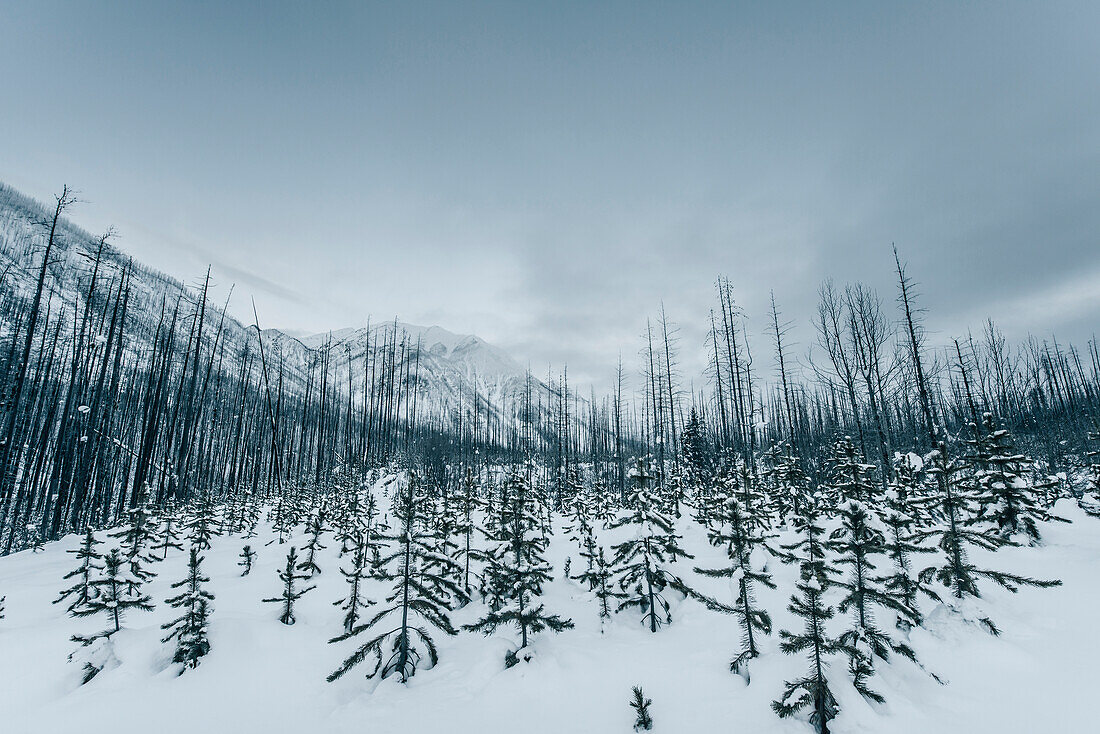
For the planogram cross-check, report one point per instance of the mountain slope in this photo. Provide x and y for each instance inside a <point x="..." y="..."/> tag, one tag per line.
<point x="451" y="366"/>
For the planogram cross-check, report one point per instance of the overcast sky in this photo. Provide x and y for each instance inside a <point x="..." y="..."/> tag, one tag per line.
<point x="545" y="174"/>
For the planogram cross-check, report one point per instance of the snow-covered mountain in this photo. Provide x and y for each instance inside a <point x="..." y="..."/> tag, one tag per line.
<point x="451" y="367"/>
<point x="452" y="364"/>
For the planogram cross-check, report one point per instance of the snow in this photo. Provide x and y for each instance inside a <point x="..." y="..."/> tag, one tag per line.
<point x="262" y="676"/>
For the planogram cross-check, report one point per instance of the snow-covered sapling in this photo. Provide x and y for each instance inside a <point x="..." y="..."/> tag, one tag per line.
<point x="418" y="593"/>
<point x="189" y="629"/>
<point x="290" y="595"/>
<point x="642" y="720"/>
<point x="813" y="688"/>
<point x="316" y="528"/>
<point x="248" y="557"/>
<point x="641" y="562"/>
<point x="599" y="579"/>
<point x="359" y="571"/>
<point x="519" y="569"/>
<point x="138" y="536"/>
<point x="108" y="599"/>
<point x="83" y="590"/>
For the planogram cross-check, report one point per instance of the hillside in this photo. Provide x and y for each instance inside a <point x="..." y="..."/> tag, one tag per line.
<point x="452" y="367"/>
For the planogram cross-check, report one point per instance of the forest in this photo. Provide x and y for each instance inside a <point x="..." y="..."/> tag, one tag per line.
<point x="835" y="500"/>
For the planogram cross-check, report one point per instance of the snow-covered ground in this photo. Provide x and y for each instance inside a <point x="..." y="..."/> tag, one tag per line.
<point x="262" y="676"/>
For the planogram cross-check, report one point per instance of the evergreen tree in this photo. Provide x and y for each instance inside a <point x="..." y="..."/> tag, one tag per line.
<point x="34" y="539"/>
<point x="417" y="592"/>
<point x="110" y="600"/>
<point x="84" y="588"/>
<point x="957" y="572"/>
<point x="442" y="524"/>
<point x="250" y="514"/>
<point x="289" y="577"/>
<point x="1004" y="496"/>
<point x="857" y="542"/>
<point x="810" y="552"/>
<point x="641" y="562"/>
<point x="849" y="477"/>
<point x="359" y="571"/>
<point x="247" y="556"/>
<point x="518" y="566"/>
<point x="466" y="503"/>
<point x="168" y="537"/>
<point x="138" y="537"/>
<point x="695" y="453"/>
<point x="740" y="539"/>
<point x="580" y="523"/>
<point x="788" y="481"/>
<point x="316" y="528"/>
<point x="642" y="720"/>
<point x="1089" y="500"/>
<point x="189" y="629"/>
<point x="348" y="518"/>
<point x="203" y="521"/>
<point x="812" y="689"/>
<point x="599" y="578"/>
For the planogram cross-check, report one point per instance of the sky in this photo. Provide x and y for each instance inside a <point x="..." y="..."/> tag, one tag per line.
<point x="546" y="175"/>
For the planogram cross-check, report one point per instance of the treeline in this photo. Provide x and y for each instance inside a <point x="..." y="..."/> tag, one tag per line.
<point x="872" y="375"/>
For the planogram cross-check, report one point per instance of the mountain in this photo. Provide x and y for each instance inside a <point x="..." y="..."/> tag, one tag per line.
<point x="451" y="367"/>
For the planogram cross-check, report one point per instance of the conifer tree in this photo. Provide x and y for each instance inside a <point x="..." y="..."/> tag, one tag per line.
<point x="858" y="542"/>
<point x="788" y="481"/>
<point x="518" y="567"/>
<point x="812" y="690"/>
<point x="849" y="477"/>
<point x="250" y="515"/>
<point x="190" y="629"/>
<point x="641" y="563"/>
<point x="203" y="521"/>
<point x="110" y="600"/>
<point x="740" y="539"/>
<point x="247" y="556"/>
<point x="34" y="539"/>
<point x="417" y="593"/>
<point x="168" y="537"/>
<point x="289" y="577"/>
<point x="442" y="522"/>
<point x="359" y="570"/>
<point x="811" y="550"/>
<point x="902" y="583"/>
<point x="956" y="571"/>
<point x="642" y="720"/>
<point x="1002" y="492"/>
<point x="348" y="518"/>
<point x="467" y="503"/>
<point x="899" y="512"/>
<point x="695" y="453"/>
<point x="138" y="537"/>
<point x="599" y="578"/>
<point x="1089" y="500"/>
<point x="580" y="523"/>
<point x="84" y="588"/>
<point x="316" y="528"/>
